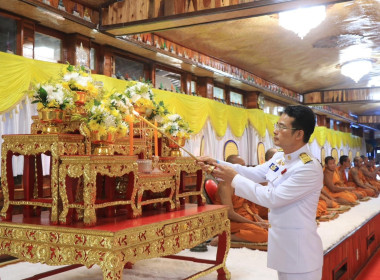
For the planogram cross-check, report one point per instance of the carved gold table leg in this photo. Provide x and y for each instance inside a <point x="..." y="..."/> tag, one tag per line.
<point x="7" y="183"/>
<point x="89" y="195"/>
<point x="221" y="255"/>
<point x="112" y="267"/>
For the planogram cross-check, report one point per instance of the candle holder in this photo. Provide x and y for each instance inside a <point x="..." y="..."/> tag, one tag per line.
<point x="155" y="161"/>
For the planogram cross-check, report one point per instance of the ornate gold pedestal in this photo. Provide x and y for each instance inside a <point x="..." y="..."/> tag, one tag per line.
<point x="31" y="147"/>
<point x="89" y="167"/>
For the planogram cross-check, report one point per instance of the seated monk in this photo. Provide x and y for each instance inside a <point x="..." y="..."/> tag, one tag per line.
<point x="356" y="175"/>
<point x="321" y="208"/>
<point x="330" y="201"/>
<point x="370" y="171"/>
<point x="246" y="224"/>
<point x="333" y="185"/>
<point x="324" y="203"/>
<point x="344" y="164"/>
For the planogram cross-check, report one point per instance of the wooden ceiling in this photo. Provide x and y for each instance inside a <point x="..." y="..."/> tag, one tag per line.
<point x="259" y="45"/>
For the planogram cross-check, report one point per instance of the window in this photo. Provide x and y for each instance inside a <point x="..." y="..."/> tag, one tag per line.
<point x="236" y="98"/>
<point x="218" y="93"/>
<point x="47" y="48"/>
<point x="168" y="80"/>
<point x="273" y="108"/>
<point x="92" y="59"/>
<point x="127" y="69"/>
<point x="193" y="87"/>
<point x="8" y="35"/>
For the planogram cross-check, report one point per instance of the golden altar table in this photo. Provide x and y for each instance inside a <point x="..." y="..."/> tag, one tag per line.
<point x="31" y="146"/>
<point x="115" y="242"/>
<point x="88" y="167"/>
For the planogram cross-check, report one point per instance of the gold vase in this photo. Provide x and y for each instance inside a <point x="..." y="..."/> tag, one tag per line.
<point x="141" y="110"/>
<point x="80" y="97"/>
<point x="174" y="148"/>
<point x="102" y="143"/>
<point x="51" y="117"/>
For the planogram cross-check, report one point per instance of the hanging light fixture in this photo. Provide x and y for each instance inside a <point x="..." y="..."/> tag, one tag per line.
<point x="355" y="62"/>
<point x="356" y="69"/>
<point x="302" y="20"/>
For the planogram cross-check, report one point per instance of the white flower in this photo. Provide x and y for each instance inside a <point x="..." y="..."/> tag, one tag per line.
<point x="174" y="117"/>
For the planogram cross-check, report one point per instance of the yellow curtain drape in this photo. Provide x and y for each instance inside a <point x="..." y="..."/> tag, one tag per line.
<point x="17" y="72"/>
<point x="335" y="138"/>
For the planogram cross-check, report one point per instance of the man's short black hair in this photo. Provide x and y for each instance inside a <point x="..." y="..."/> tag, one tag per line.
<point x="343" y="159"/>
<point x="304" y="119"/>
<point x="328" y="158"/>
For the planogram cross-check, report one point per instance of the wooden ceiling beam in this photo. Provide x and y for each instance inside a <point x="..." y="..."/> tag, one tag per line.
<point x="133" y="17"/>
<point x="343" y="96"/>
<point x="369" y="119"/>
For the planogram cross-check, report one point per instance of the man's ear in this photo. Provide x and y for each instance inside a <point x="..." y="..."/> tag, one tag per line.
<point x="300" y="134"/>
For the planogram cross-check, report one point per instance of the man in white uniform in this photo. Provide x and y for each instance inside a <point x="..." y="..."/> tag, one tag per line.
<point x="294" y="181"/>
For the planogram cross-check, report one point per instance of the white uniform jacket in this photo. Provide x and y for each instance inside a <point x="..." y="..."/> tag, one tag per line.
<point x="292" y="194"/>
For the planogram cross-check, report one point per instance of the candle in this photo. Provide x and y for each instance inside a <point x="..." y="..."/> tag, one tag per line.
<point x="162" y="133"/>
<point x="130" y="122"/>
<point x="155" y="140"/>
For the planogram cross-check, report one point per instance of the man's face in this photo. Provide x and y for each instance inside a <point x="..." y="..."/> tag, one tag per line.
<point x="358" y="162"/>
<point x="331" y="165"/>
<point x="284" y="135"/>
<point x="347" y="163"/>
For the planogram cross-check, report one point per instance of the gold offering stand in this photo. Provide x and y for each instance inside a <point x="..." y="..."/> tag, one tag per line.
<point x="31" y="146"/>
<point x="134" y="227"/>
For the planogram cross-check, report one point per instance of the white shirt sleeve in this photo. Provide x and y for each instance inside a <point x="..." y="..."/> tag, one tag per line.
<point x="294" y="186"/>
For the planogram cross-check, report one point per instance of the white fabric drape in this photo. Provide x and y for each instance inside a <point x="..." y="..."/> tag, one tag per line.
<point x="19" y="120"/>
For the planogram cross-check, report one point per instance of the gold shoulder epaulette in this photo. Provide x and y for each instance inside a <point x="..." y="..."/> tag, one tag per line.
<point x="305" y="158"/>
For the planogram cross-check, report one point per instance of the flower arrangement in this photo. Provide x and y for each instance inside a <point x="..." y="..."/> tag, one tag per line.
<point x="78" y="79"/>
<point x="120" y="102"/>
<point x="174" y="125"/>
<point x="103" y="117"/>
<point x="51" y="95"/>
<point x="158" y="112"/>
<point x="141" y="96"/>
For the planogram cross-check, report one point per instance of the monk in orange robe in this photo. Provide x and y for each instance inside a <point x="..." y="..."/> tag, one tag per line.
<point x="345" y="163"/>
<point x="356" y="175"/>
<point x="334" y="187"/>
<point x="246" y="224"/>
<point x="321" y="208"/>
<point x="370" y="172"/>
<point x="325" y="202"/>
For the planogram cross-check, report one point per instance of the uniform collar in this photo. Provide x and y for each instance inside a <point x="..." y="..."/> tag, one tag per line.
<point x="295" y="155"/>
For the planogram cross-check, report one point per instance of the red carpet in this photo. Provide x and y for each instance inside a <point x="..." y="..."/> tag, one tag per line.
<point x="372" y="270"/>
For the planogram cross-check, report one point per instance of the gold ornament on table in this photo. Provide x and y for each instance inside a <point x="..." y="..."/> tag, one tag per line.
<point x="163" y="133"/>
<point x="78" y="79"/>
<point x="104" y="119"/>
<point x="179" y="131"/>
<point x="52" y="101"/>
<point x="175" y="143"/>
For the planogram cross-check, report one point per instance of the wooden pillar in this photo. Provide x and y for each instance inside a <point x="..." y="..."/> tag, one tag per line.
<point x="150" y="72"/>
<point x="327" y="122"/>
<point x="227" y="98"/>
<point x="335" y="125"/>
<point x="187" y="78"/>
<point x="252" y="98"/>
<point x="206" y="87"/>
<point x="321" y="120"/>
<point x="108" y="65"/>
<point x="345" y="127"/>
